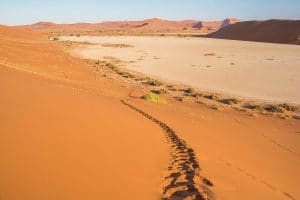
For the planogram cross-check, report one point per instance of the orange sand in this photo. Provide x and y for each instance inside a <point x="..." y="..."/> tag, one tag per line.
<point x="66" y="135"/>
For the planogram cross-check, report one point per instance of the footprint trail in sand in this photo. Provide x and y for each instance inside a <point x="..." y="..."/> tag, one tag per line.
<point x="183" y="180"/>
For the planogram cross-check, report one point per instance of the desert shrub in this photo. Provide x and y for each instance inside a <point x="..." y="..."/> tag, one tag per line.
<point x="161" y="91"/>
<point x="112" y="66"/>
<point x="153" y="98"/>
<point x="142" y="79"/>
<point x="254" y="106"/>
<point x="126" y="74"/>
<point x="173" y="89"/>
<point x="190" y="90"/>
<point x="229" y="101"/>
<point x="288" y="107"/>
<point x="154" y="83"/>
<point x="210" y="54"/>
<point x="207" y="182"/>
<point x="116" y="45"/>
<point x="274" y="108"/>
<point x="211" y="97"/>
<point x="179" y="98"/>
<point x="196" y="94"/>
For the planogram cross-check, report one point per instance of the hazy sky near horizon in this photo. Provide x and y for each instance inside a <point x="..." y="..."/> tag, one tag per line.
<point x="14" y="12"/>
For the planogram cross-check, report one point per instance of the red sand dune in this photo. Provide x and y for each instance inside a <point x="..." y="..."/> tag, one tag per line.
<point x="148" y="25"/>
<point x="58" y="140"/>
<point x="273" y="31"/>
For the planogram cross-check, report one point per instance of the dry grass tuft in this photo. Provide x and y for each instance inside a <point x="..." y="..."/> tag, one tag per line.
<point x="116" y="45"/>
<point x="210" y="54"/>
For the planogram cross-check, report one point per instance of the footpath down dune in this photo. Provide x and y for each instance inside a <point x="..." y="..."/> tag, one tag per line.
<point x="69" y="134"/>
<point x="273" y="31"/>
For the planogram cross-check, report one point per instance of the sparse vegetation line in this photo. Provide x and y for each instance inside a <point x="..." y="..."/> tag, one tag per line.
<point x="183" y="180"/>
<point x="116" y="45"/>
<point x="217" y="101"/>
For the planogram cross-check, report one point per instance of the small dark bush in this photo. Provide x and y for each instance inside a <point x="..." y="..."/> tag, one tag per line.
<point x="126" y="74"/>
<point x="212" y="97"/>
<point x="154" y="83"/>
<point x="161" y="91"/>
<point x="190" y="90"/>
<point x="254" y="107"/>
<point x="197" y="95"/>
<point x="274" y="108"/>
<point x="230" y="101"/>
<point x="110" y="65"/>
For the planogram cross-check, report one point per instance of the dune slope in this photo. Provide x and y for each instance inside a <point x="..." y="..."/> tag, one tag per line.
<point x="61" y="141"/>
<point x="273" y="31"/>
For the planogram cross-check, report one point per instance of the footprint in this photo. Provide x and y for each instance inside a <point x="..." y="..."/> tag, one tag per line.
<point x="184" y="168"/>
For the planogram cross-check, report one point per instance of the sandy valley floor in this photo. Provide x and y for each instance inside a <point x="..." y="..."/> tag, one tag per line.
<point x="260" y="71"/>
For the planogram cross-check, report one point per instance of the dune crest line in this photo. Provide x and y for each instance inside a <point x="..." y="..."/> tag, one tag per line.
<point x="183" y="180"/>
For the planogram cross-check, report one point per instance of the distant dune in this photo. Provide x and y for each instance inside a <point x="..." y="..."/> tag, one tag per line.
<point x="153" y="25"/>
<point x="273" y="31"/>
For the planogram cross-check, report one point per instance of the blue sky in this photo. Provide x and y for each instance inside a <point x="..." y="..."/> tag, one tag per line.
<point x="13" y="12"/>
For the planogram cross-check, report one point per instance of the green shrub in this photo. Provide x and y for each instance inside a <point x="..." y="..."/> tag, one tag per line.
<point x="153" y="98"/>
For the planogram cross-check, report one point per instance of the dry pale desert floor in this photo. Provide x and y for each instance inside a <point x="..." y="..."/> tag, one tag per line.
<point x="69" y="133"/>
<point x="261" y="71"/>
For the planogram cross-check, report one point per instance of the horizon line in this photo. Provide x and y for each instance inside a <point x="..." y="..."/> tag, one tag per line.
<point x="144" y="19"/>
